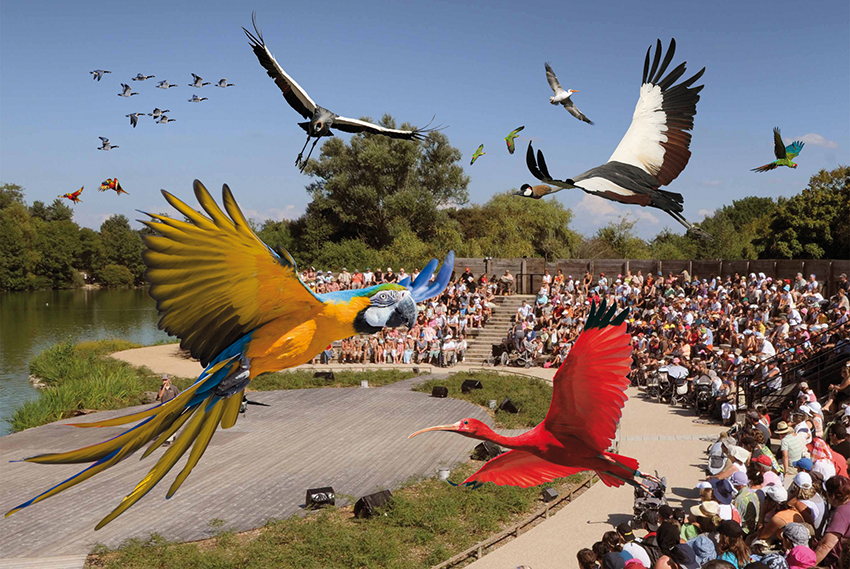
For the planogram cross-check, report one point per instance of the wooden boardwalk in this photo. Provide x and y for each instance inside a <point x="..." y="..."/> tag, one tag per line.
<point x="353" y="439"/>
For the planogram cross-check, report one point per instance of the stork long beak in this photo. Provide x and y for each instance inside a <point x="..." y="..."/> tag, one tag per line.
<point x="452" y="427"/>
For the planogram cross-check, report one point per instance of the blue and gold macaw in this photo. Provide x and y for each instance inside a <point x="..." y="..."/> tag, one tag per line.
<point x="242" y="310"/>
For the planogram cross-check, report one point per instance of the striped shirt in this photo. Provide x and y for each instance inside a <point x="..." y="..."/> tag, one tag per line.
<point x="793" y="447"/>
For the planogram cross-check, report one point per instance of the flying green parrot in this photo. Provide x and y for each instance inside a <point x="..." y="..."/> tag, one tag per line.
<point x="510" y="139"/>
<point x="479" y="152"/>
<point x="784" y="154"/>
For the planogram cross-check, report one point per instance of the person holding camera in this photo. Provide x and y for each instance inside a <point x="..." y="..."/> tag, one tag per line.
<point x="168" y="391"/>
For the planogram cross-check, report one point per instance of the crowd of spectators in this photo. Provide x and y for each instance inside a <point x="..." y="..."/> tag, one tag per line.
<point x="780" y="503"/>
<point x="442" y="327"/>
<point x="713" y="326"/>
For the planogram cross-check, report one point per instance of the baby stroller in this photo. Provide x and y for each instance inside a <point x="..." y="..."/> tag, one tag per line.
<point x="516" y="358"/>
<point x="650" y="500"/>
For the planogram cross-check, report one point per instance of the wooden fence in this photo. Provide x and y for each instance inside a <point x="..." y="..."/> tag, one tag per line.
<point x="528" y="273"/>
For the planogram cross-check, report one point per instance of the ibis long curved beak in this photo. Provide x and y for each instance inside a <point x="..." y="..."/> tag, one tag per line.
<point x="452" y="427"/>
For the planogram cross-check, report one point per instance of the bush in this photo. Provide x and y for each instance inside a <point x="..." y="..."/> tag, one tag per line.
<point x="116" y="276"/>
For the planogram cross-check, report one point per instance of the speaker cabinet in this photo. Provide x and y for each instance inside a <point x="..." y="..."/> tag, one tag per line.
<point x="508" y="405"/>
<point x="440" y="391"/>
<point x="549" y="494"/>
<point x="470" y="384"/>
<point x="318" y="497"/>
<point x="486" y="451"/>
<point x="326" y="375"/>
<point x="365" y="507"/>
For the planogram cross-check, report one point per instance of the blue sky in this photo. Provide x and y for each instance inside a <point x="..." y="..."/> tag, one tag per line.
<point x="477" y="65"/>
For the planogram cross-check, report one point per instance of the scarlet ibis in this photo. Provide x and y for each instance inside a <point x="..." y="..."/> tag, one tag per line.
<point x="562" y="96"/>
<point x="105" y="145"/>
<point x="126" y="91"/>
<point x="510" y="138"/>
<point x="784" y="154"/>
<point x="479" y="152"/>
<point x="98" y="73"/>
<point x="74" y="196"/>
<point x="587" y="400"/>
<point x="319" y="119"/>
<point x="654" y="150"/>
<point x="197" y="81"/>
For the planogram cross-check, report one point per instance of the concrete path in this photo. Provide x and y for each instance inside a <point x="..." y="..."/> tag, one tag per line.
<point x="660" y="438"/>
<point x="353" y="439"/>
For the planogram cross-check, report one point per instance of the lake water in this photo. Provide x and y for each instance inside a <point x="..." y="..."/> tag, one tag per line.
<point x="33" y="321"/>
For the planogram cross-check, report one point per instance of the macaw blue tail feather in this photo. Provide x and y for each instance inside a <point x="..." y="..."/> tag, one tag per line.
<point x="213" y="400"/>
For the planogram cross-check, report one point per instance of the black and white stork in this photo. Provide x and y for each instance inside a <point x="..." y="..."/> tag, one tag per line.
<point x="654" y="150"/>
<point x="319" y="119"/>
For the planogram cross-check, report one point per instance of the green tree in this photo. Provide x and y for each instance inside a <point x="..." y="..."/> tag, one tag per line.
<point x="57" y="211"/>
<point x="58" y="246"/>
<point x="91" y="250"/>
<point x="620" y="237"/>
<point x="510" y="226"/>
<point x="18" y="255"/>
<point x="375" y="188"/>
<point x="121" y="246"/>
<point x="276" y="234"/>
<point x="813" y="224"/>
<point x="10" y="194"/>
<point x="116" y="276"/>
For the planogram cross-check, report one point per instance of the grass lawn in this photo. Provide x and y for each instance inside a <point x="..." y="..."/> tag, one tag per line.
<point x="530" y="395"/>
<point x="426" y="523"/>
<point x="80" y="378"/>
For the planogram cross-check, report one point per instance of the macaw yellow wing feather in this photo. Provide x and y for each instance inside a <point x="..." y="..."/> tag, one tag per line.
<point x="231" y="410"/>
<point x="214" y="280"/>
<point x="209" y="426"/>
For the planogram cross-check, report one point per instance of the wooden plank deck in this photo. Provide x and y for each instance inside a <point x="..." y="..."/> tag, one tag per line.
<point x="353" y="439"/>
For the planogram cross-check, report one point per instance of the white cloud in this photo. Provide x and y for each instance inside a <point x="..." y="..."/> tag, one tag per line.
<point x="275" y="213"/>
<point x="601" y="211"/>
<point x="815" y="140"/>
<point x="705" y="213"/>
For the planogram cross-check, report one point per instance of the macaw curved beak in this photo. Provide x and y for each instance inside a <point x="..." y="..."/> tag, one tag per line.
<point x="404" y="313"/>
<point x="452" y="427"/>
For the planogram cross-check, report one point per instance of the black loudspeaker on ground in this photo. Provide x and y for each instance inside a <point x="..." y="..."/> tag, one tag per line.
<point x="318" y="497"/>
<point x="365" y="507"/>
<point x="440" y="391"/>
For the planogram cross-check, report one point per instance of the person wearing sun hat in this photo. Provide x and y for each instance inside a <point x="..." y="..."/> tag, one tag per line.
<point x="745" y="501"/>
<point x="804" y="498"/>
<point x="777" y="513"/>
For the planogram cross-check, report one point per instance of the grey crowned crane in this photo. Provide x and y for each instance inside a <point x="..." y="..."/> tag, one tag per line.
<point x="654" y="150"/>
<point x="126" y="92"/>
<point x="142" y="77"/>
<point x="165" y="85"/>
<point x="105" y="144"/>
<point x="98" y="73"/>
<point x="562" y="96"/>
<point x="320" y="120"/>
<point x="197" y="81"/>
<point x="223" y="83"/>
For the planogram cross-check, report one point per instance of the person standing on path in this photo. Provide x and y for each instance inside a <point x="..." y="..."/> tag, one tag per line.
<point x="168" y="391"/>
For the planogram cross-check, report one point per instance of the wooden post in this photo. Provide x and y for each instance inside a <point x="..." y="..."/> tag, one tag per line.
<point x="523" y="269"/>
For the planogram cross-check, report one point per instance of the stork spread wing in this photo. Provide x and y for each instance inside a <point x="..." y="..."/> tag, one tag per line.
<point x="519" y="468"/>
<point x="553" y="80"/>
<point x="589" y="388"/>
<point x="778" y="146"/>
<point x="297" y="97"/>
<point x="214" y="280"/>
<point x="658" y="140"/>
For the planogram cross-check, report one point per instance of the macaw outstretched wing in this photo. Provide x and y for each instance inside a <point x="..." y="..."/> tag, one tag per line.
<point x="214" y="280"/>
<point x="793" y="149"/>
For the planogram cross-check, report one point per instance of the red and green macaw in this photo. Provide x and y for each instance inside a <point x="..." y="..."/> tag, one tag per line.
<point x="74" y="196"/>
<point x="510" y="138"/>
<point x="784" y="154"/>
<point x="112" y="184"/>
<point x="242" y="310"/>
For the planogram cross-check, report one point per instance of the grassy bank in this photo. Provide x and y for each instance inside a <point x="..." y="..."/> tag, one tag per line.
<point x="530" y="395"/>
<point x="426" y="523"/>
<point x="80" y="378"/>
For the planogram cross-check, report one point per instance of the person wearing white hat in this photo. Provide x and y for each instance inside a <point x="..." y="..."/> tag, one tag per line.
<point x="777" y="513"/>
<point x="803" y="497"/>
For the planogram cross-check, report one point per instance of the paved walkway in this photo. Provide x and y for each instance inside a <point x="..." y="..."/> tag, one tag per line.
<point x="661" y="439"/>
